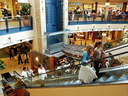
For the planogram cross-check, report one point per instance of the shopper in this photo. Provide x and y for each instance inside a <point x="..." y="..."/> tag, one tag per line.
<point x="89" y="14"/>
<point x="42" y="74"/>
<point x="25" y="77"/>
<point x="30" y="72"/>
<point x="124" y="15"/>
<point x="98" y="53"/>
<point x="10" y="54"/>
<point x="86" y="74"/>
<point x="19" y="58"/>
<point x="73" y="14"/>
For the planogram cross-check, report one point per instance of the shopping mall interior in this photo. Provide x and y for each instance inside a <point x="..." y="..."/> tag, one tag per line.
<point x="43" y="46"/>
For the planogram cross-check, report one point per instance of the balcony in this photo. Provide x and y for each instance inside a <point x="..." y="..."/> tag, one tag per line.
<point x="9" y="25"/>
<point x="80" y="19"/>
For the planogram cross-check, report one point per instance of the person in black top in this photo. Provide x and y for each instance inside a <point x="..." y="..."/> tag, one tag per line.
<point x="19" y="58"/>
<point x="10" y="54"/>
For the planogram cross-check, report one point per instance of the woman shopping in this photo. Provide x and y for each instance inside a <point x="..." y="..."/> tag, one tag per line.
<point x="98" y="53"/>
<point x="86" y="74"/>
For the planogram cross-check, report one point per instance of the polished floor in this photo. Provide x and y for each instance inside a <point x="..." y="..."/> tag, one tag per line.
<point x="12" y="65"/>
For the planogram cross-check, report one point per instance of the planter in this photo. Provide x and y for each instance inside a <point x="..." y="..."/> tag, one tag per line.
<point x="26" y="22"/>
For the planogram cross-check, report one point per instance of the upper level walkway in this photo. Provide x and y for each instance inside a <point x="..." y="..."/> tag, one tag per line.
<point x="9" y="25"/>
<point x="94" y="19"/>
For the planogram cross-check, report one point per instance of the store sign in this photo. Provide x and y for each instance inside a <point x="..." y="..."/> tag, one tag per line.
<point x="74" y="3"/>
<point x="22" y="1"/>
<point x="119" y="5"/>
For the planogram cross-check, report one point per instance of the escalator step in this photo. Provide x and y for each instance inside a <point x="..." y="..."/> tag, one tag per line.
<point x="103" y="79"/>
<point x="112" y="78"/>
<point x="123" y="77"/>
<point x="116" y="75"/>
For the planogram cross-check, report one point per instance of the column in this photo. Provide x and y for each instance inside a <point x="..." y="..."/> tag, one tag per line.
<point x="65" y="20"/>
<point x="106" y="9"/>
<point x="124" y="7"/>
<point x="113" y="35"/>
<point x="104" y="38"/>
<point x="39" y="25"/>
<point x="96" y="4"/>
<point x="92" y="6"/>
<point x="94" y="36"/>
<point x="87" y="33"/>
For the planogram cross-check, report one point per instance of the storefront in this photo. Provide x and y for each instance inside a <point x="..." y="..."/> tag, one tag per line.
<point x="10" y="7"/>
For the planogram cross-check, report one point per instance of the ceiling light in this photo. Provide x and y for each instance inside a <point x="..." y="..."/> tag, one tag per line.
<point x="37" y="59"/>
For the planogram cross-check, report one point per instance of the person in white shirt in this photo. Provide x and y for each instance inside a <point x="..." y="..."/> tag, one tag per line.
<point x="42" y="74"/>
<point x="73" y="14"/>
<point x="89" y="14"/>
<point x="25" y="77"/>
<point x="30" y="72"/>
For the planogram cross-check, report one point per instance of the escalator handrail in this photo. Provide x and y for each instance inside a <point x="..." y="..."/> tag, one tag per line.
<point x="80" y="64"/>
<point x="16" y="73"/>
<point x="116" y="40"/>
<point x="116" y="48"/>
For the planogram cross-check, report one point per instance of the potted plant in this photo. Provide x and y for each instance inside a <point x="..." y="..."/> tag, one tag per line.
<point x="25" y="12"/>
<point x="2" y="65"/>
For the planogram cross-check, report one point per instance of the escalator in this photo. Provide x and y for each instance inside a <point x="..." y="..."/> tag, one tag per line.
<point x="116" y="45"/>
<point x="68" y="76"/>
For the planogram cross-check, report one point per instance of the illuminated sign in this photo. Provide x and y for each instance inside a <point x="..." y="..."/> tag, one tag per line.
<point x="22" y="1"/>
<point x="75" y="3"/>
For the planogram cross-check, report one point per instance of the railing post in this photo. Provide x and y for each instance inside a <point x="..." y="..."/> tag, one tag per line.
<point x="125" y="18"/>
<point x="69" y="18"/>
<point x="31" y="22"/>
<point x="101" y="18"/>
<point x="85" y="18"/>
<point x="19" y="22"/>
<point x="77" y="19"/>
<point x="109" y="18"/>
<point x="117" y="18"/>
<point x="6" y="22"/>
<point x="93" y="18"/>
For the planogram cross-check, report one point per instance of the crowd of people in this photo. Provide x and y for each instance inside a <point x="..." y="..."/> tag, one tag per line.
<point x="118" y="13"/>
<point x="86" y="73"/>
<point x="28" y="73"/>
<point x="24" y="50"/>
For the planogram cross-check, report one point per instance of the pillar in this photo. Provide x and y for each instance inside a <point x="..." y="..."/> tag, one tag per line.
<point x="12" y="13"/>
<point x="65" y="20"/>
<point x="104" y="38"/>
<point x="39" y="25"/>
<point x="124" y="7"/>
<point x="96" y="4"/>
<point x="113" y="35"/>
<point x="87" y="35"/>
<point x="106" y="9"/>
<point x="92" y="6"/>
<point x="94" y="36"/>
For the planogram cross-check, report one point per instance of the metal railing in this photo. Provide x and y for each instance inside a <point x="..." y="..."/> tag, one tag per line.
<point x="96" y="19"/>
<point x="15" y="23"/>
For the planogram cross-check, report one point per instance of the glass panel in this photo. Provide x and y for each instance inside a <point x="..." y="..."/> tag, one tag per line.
<point x="25" y="21"/>
<point x="116" y="43"/>
<point x="13" y="22"/>
<point x="2" y="23"/>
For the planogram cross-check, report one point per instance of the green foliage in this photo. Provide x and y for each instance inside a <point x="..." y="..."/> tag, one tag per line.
<point x="2" y="65"/>
<point x="25" y="9"/>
